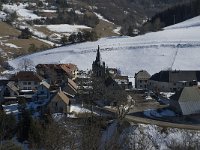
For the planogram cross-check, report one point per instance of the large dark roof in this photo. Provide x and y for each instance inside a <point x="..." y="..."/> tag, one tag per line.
<point x="175" y="76"/>
<point x="26" y="76"/>
<point x="161" y="76"/>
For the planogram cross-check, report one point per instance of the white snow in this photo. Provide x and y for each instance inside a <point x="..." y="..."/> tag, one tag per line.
<point x="194" y="22"/>
<point x="12" y="108"/>
<point x="23" y="14"/>
<point x="117" y="30"/>
<point x="26" y="14"/>
<point x="154" y="137"/>
<point x="48" y="11"/>
<point x="38" y="33"/>
<point x="102" y="18"/>
<point x="172" y="48"/>
<point x="66" y="28"/>
<point x="3" y="15"/>
<point x="78" y="12"/>
<point x="167" y="94"/>
<point x="78" y="109"/>
<point x="11" y="45"/>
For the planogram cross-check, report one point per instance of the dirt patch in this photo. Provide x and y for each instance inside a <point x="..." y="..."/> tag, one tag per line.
<point x="28" y="46"/>
<point x="8" y="30"/>
<point x="44" y="30"/>
<point x="105" y="29"/>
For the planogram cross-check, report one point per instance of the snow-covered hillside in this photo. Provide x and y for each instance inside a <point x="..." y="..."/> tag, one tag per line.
<point x="177" y="46"/>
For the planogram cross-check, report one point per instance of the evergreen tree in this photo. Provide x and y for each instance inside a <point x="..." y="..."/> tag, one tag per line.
<point x="7" y="126"/>
<point x="64" y="40"/>
<point x="25" y="34"/>
<point x="24" y="125"/>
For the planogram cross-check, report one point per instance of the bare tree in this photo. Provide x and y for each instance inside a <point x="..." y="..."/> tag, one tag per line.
<point x="26" y="65"/>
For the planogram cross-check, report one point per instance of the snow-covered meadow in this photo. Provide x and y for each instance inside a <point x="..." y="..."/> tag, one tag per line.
<point x="172" y="48"/>
<point x="22" y="12"/>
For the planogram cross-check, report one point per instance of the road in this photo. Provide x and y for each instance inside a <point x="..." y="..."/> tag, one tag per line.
<point x="161" y="123"/>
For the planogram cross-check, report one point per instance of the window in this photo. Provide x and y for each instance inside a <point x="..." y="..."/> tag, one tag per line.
<point x="29" y="88"/>
<point x="29" y="83"/>
<point x="35" y="83"/>
<point x="140" y="81"/>
<point x="24" y="83"/>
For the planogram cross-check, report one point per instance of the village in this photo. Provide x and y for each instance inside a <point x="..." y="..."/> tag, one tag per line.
<point x="168" y="96"/>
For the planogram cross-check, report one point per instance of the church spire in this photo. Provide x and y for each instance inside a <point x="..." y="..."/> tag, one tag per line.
<point x="98" y="57"/>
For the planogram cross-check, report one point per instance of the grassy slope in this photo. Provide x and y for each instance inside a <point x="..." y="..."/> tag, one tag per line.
<point x="8" y="34"/>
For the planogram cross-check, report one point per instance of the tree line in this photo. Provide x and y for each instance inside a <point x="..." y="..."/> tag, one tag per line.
<point x="173" y="15"/>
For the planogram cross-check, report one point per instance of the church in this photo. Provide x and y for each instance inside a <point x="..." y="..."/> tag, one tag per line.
<point x="100" y="71"/>
<point x="108" y="83"/>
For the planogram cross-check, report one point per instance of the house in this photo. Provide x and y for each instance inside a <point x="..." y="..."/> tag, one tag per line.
<point x="60" y="103"/>
<point x="141" y="79"/>
<point x="187" y="101"/>
<point x="123" y="81"/>
<point x="11" y="90"/>
<point x="70" y="87"/>
<point x="57" y="73"/>
<point x="26" y="80"/>
<point x="172" y="81"/>
<point x="43" y="91"/>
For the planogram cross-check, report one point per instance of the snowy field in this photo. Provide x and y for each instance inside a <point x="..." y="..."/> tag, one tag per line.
<point x="176" y="47"/>
<point x="61" y="28"/>
<point x="22" y="12"/>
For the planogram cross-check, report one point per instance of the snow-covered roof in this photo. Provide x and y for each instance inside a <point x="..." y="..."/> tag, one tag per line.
<point x="190" y="94"/>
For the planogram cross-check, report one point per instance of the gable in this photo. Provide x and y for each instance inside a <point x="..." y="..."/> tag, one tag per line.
<point x="60" y="97"/>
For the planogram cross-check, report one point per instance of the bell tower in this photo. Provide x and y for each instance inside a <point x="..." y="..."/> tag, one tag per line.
<point x="98" y="66"/>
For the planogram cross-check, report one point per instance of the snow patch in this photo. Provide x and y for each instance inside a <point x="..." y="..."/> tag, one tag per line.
<point x="117" y="30"/>
<point x="61" y="28"/>
<point x="11" y="45"/>
<point x="102" y="18"/>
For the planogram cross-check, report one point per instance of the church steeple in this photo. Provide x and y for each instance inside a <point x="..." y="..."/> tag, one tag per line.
<point x="98" y="57"/>
<point x="98" y="66"/>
